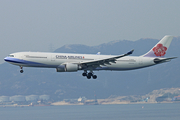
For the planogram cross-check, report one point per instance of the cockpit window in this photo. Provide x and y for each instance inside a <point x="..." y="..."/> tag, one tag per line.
<point x="10" y="55"/>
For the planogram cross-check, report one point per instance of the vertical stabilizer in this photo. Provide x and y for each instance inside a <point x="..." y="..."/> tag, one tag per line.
<point x="160" y="49"/>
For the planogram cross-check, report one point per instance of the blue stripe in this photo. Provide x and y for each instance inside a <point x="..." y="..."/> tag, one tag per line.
<point x="15" y="60"/>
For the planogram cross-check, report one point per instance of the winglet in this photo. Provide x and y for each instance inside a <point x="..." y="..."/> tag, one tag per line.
<point x="130" y="52"/>
<point x="98" y="53"/>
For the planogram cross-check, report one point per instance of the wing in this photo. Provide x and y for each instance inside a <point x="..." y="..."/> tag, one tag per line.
<point x="105" y="61"/>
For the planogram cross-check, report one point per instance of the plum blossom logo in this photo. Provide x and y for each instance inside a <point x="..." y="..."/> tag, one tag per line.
<point x="160" y="50"/>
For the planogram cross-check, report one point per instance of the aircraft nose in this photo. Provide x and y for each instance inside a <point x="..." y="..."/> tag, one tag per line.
<point x="6" y="59"/>
<point x="9" y="59"/>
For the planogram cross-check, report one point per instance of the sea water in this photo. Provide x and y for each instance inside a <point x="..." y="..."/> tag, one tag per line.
<point x="168" y="111"/>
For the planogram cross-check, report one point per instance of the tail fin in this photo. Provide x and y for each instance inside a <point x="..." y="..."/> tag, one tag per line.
<point x="160" y="49"/>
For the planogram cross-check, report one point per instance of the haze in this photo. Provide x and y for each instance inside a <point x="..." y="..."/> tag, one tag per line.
<point x="36" y="25"/>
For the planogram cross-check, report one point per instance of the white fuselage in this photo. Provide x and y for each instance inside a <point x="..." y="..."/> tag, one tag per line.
<point x="53" y="60"/>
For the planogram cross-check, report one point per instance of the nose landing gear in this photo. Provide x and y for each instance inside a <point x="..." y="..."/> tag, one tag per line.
<point x="21" y="71"/>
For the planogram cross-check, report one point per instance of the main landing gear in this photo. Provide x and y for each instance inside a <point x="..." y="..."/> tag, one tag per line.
<point x="21" y="71"/>
<point x="89" y="75"/>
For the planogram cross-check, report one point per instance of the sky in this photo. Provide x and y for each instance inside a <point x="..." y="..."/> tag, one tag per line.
<point x="36" y="25"/>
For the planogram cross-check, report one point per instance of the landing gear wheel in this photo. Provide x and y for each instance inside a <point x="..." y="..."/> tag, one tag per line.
<point x="84" y="74"/>
<point x="21" y="71"/>
<point x="88" y="77"/>
<point x="94" y="76"/>
<point x="90" y="74"/>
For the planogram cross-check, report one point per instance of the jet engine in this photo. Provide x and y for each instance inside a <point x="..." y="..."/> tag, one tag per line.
<point x="68" y="67"/>
<point x="60" y="68"/>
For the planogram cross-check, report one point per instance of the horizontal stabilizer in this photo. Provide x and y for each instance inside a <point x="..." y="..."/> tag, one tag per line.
<point x="157" y="60"/>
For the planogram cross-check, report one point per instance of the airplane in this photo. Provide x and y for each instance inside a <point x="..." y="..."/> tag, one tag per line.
<point x="67" y="62"/>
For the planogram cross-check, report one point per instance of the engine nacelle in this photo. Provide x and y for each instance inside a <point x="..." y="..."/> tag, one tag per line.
<point x="69" y="67"/>
<point x="60" y="68"/>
